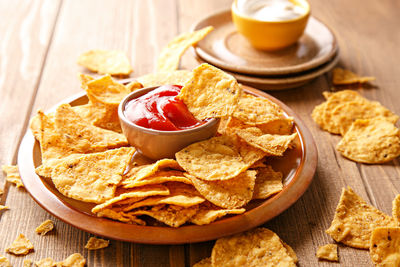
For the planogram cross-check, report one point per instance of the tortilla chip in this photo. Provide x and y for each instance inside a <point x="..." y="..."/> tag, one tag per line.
<point x="106" y="62"/>
<point x="249" y="154"/>
<point x="258" y="247"/>
<point x="203" y="263"/>
<point x="46" y="262"/>
<point x="170" y="56"/>
<point x="171" y="215"/>
<point x="233" y="193"/>
<point x="3" y="207"/>
<point x="328" y="252"/>
<point x="343" y="76"/>
<point x="74" y="260"/>
<point x="290" y="251"/>
<point x="26" y="263"/>
<point x="21" y="246"/>
<point x="385" y="249"/>
<point x="96" y="243"/>
<point x="106" y="90"/>
<point x="273" y="144"/>
<point x="4" y="262"/>
<point x="354" y="220"/>
<point x="210" y="93"/>
<point x="177" y="77"/>
<point x="208" y="213"/>
<point x="151" y="169"/>
<point x="157" y="178"/>
<point x="93" y="177"/>
<point x="396" y="209"/>
<point x="268" y="182"/>
<point x="101" y="115"/>
<point x="216" y="158"/>
<point x="120" y="216"/>
<point x="12" y="175"/>
<point x="371" y="141"/>
<point x="133" y="86"/>
<point x="45" y="227"/>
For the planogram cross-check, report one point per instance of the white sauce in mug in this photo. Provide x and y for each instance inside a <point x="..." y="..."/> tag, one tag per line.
<point x="270" y="10"/>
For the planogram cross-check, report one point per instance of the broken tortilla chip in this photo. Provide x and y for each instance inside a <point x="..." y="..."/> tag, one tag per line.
<point x="12" y="175"/>
<point x="96" y="243"/>
<point x="45" y="227"/>
<point x="328" y="252"/>
<point x="342" y="76"/>
<point x="106" y="62"/>
<point x="21" y="246"/>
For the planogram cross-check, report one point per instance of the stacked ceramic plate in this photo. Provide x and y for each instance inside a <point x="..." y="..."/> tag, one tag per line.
<point x="313" y="55"/>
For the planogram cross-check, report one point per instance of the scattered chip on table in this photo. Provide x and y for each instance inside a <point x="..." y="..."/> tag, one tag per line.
<point x="12" y="174"/>
<point x="169" y="58"/>
<point x="96" y="243"/>
<point x="371" y="141"/>
<point x="106" y="62"/>
<point x="396" y="209"/>
<point x="268" y="182"/>
<point x="3" y="207"/>
<point x="206" y="262"/>
<point x="342" y="77"/>
<point x="46" y="262"/>
<point x="328" y="252"/>
<point x="178" y="77"/>
<point x="257" y="247"/>
<point x="20" y="246"/>
<point x="45" y="227"/>
<point x="385" y="249"/>
<point x="354" y="220"/>
<point x="4" y="262"/>
<point x="27" y="263"/>
<point x="210" y="93"/>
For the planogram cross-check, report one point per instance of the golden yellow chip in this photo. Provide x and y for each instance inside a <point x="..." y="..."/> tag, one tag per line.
<point x="170" y="56"/>
<point x="27" y="263"/>
<point x="268" y="182"/>
<point x="93" y="177"/>
<point x="120" y="216"/>
<point x="12" y="174"/>
<point x="157" y="178"/>
<point x="216" y="158"/>
<point x="396" y="209"/>
<point x="282" y="126"/>
<point x="385" y="249"/>
<point x="84" y="79"/>
<point x="177" y="77"/>
<point x="233" y="193"/>
<point x="101" y="115"/>
<point x="74" y="260"/>
<point x="343" y="76"/>
<point x="290" y="252"/>
<point x="106" y="62"/>
<point x="133" y="86"/>
<point x="203" y="263"/>
<point x="258" y="247"/>
<point x="272" y="144"/>
<point x="46" y="262"/>
<point x="371" y="141"/>
<point x="328" y="252"/>
<point x="106" y="90"/>
<point x="4" y="262"/>
<point x="21" y="246"/>
<point x="171" y="215"/>
<point x="45" y="227"/>
<point x="3" y="207"/>
<point x="96" y="243"/>
<point x="354" y="220"/>
<point x="249" y="154"/>
<point x="208" y="213"/>
<point x="1" y="191"/>
<point x="210" y="93"/>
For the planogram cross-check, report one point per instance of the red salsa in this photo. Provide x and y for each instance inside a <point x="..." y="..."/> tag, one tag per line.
<point x="159" y="109"/>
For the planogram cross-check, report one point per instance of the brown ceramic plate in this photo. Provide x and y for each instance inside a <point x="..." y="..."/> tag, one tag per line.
<point x="273" y="83"/>
<point x="298" y="167"/>
<point x="224" y="47"/>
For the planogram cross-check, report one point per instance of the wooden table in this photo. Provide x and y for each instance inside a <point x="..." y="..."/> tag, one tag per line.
<point x="41" y="40"/>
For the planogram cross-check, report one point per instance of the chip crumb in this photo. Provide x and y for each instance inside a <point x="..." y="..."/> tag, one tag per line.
<point x="45" y="227"/>
<point x="328" y="252"/>
<point x="21" y="246"/>
<point x="13" y="176"/>
<point x="46" y="262"/>
<point x="206" y="262"/>
<point x="342" y="76"/>
<point x="27" y="263"/>
<point x="4" y="262"/>
<point x="96" y="243"/>
<point x="4" y="208"/>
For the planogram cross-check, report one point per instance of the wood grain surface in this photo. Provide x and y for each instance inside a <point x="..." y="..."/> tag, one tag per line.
<point x="40" y="41"/>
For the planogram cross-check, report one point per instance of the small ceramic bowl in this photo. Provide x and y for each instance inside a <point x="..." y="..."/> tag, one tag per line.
<point x="271" y="35"/>
<point x="156" y="144"/>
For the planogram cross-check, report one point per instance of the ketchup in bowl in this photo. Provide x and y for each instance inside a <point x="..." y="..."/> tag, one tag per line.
<point x="159" y="109"/>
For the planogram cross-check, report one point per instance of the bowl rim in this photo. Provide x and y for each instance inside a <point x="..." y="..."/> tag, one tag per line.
<point x="143" y="91"/>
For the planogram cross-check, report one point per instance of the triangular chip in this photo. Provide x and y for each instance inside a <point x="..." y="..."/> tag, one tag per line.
<point x="210" y="93"/>
<point x="93" y="177"/>
<point x="20" y="246"/>
<point x="268" y="182"/>
<point x="169" y="57"/>
<point x="106" y="90"/>
<point x="208" y="213"/>
<point x="354" y="221"/>
<point x="12" y="174"/>
<point x="385" y="249"/>
<point x="96" y="243"/>
<point x="106" y="61"/>
<point x="342" y="76"/>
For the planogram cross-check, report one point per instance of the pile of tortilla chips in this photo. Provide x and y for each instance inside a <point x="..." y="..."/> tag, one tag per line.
<point x="88" y="159"/>
<point x="368" y="128"/>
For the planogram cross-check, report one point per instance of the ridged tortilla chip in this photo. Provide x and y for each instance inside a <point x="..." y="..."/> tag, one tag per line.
<point x="169" y="58"/>
<point x="106" y="62"/>
<point x="210" y="93"/>
<point x="92" y="177"/>
<point x="208" y="213"/>
<point x="354" y="221"/>
<point x="258" y="247"/>
<point x="328" y="252"/>
<point x="233" y="193"/>
<point x="371" y="141"/>
<point x="157" y="178"/>
<point x="216" y="158"/>
<point x="20" y="246"/>
<point x="268" y="182"/>
<point x="176" y="77"/>
<point x="12" y="175"/>
<point x="385" y="249"/>
<point x="45" y="227"/>
<point x="96" y="243"/>
<point x="342" y="76"/>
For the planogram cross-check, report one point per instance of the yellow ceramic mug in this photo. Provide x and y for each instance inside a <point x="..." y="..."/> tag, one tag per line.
<point x="271" y="35"/>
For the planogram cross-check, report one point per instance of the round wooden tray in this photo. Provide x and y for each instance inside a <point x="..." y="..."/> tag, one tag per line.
<point x="297" y="165"/>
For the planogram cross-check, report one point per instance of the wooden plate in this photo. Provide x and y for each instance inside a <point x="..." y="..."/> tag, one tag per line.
<point x="270" y="83"/>
<point x="224" y="47"/>
<point x="298" y="167"/>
